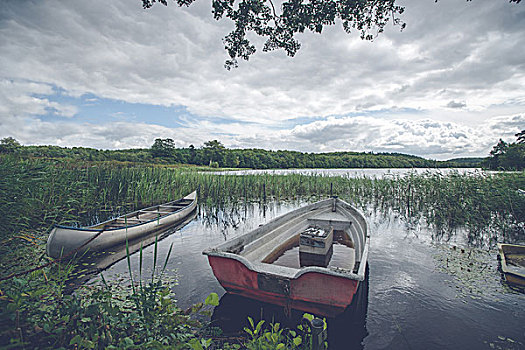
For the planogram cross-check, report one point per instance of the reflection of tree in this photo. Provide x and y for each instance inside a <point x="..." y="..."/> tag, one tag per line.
<point x="227" y="218"/>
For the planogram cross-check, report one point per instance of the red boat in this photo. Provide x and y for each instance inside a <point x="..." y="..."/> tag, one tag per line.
<point x="321" y="283"/>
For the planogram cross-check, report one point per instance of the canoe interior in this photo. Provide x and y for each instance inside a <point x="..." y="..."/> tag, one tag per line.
<point x="144" y="215"/>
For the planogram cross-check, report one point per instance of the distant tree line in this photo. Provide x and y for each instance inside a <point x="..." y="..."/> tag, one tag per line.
<point x="214" y="154"/>
<point x="508" y="156"/>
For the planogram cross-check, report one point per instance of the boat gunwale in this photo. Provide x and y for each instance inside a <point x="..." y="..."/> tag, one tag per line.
<point x="192" y="196"/>
<point x="259" y="267"/>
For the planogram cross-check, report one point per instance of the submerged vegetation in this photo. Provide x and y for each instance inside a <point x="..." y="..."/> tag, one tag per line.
<point x="37" y="193"/>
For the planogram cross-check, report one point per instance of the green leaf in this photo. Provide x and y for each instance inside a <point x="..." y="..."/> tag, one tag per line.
<point x="206" y="343"/>
<point x="128" y="342"/>
<point x="212" y="299"/>
<point x="77" y="339"/>
<point x="275" y="337"/>
<point x="195" y="344"/>
<point x="297" y="341"/>
<point x="248" y="330"/>
<point x="308" y="316"/>
<point x="280" y="346"/>
<point x="259" y="325"/>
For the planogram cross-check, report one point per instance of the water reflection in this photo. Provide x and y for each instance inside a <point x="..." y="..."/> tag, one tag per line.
<point x="90" y="264"/>
<point x="414" y="298"/>
<point x="378" y="173"/>
<point x="346" y="331"/>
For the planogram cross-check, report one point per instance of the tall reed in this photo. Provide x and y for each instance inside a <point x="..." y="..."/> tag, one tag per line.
<point x="36" y="194"/>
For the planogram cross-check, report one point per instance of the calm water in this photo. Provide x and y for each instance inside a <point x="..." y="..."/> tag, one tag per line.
<point x="378" y="173"/>
<point x="420" y="293"/>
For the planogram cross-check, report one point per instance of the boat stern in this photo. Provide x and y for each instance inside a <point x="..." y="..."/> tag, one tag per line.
<point x="312" y="290"/>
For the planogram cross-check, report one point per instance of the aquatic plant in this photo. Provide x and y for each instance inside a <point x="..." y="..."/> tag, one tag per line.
<point x="34" y="194"/>
<point x="36" y="311"/>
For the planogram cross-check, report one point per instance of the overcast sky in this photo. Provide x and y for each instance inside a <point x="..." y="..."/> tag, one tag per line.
<point x="108" y="74"/>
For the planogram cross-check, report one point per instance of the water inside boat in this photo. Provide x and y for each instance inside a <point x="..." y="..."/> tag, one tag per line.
<point x="341" y="255"/>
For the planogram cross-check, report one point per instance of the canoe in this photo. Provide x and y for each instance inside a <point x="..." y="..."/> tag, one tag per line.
<point x="246" y="266"/>
<point x="64" y="240"/>
<point x="91" y="264"/>
<point x="512" y="258"/>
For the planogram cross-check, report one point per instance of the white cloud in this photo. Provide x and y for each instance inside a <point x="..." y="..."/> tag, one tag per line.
<point x="20" y="99"/>
<point x="424" y="137"/>
<point x="457" y="65"/>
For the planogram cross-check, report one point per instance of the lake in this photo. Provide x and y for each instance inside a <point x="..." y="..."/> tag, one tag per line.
<point x="371" y="173"/>
<point x="422" y="292"/>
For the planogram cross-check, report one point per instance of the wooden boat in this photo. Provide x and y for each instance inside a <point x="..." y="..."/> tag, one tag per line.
<point x="512" y="258"/>
<point x="244" y="265"/>
<point x="64" y="240"/>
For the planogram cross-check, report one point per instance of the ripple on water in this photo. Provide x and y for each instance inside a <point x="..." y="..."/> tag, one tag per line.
<point x="410" y="302"/>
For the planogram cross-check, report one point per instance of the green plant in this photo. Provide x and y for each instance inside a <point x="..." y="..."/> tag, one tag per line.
<point x="274" y="337"/>
<point x="35" y="311"/>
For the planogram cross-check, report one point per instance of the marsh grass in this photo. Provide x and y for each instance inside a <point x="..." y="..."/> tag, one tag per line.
<point x="36" y="194"/>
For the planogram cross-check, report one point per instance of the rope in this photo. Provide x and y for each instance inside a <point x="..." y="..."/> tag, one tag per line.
<point x="18" y="274"/>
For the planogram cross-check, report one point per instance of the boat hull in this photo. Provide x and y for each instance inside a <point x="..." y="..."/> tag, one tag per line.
<point x="314" y="292"/>
<point x="64" y="240"/>
<point x="512" y="258"/>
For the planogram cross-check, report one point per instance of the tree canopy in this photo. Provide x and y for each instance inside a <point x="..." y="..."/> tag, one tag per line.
<point x="279" y="25"/>
<point x="213" y="153"/>
<point x="508" y="156"/>
<point x="162" y="147"/>
<point x="9" y="145"/>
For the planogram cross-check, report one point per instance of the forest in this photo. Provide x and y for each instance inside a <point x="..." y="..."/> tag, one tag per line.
<point x="508" y="156"/>
<point x="214" y="154"/>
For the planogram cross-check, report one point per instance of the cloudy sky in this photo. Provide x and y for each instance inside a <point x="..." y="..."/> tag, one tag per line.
<point x="109" y="74"/>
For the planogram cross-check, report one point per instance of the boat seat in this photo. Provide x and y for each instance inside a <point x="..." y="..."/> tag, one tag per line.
<point x="155" y="211"/>
<point x="114" y="226"/>
<point x="330" y="219"/>
<point x="261" y="248"/>
<point x="172" y="206"/>
<point x="132" y="221"/>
